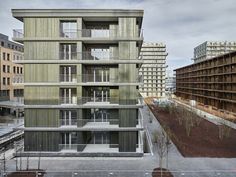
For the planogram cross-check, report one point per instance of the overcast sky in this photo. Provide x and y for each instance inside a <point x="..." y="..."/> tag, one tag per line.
<point x="180" y="24"/>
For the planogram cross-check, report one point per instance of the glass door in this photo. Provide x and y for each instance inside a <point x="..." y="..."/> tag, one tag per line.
<point x="99" y="115"/>
<point x="100" y="138"/>
<point x="67" y="51"/>
<point x="68" y="140"/>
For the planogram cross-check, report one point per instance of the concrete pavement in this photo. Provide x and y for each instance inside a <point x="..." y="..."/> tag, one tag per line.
<point x="134" y="166"/>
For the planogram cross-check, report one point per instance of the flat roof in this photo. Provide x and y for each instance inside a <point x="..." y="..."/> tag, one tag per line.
<point x="22" y="13"/>
<point x="219" y="56"/>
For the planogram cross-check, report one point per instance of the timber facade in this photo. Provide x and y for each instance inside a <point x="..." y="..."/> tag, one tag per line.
<point x="211" y="82"/>
<point x="81" y="80"/>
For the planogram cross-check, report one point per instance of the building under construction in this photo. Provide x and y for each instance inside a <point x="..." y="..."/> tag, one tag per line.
<point x="211" y="82"/>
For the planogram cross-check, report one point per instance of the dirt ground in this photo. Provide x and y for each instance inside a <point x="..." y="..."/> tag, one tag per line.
<point x="30" y="173"/>
<point x="204" y="139"/>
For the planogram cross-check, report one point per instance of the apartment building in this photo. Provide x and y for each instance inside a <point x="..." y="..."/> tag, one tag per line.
<point x="171" y="84"/>
<point x="81" y="81"/>
<point x="9" y="71"/>
<point x="211" y="82"/>
<point x="153" y="69"/>
<point x="210" y="49"/>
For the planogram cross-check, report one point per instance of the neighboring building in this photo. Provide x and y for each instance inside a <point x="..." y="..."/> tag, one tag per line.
<point x="211" y="82"/>
<point x="211" y="49"/>
<point x="81" y="81"/>
<point x="10" y="51"/>
<point x="171" y="84"/>
<point x="170" y="81"/>
<point x="153" y="69"/>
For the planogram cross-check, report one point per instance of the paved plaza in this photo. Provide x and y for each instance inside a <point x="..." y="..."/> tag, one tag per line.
<point x="131" y="166"/>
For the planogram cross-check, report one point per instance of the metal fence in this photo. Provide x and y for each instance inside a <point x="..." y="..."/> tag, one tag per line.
<point x="116" y="173"/>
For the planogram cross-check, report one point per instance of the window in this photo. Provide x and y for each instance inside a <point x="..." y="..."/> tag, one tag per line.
<point x="68" y="29"/>
<point x="8" y="69"/>
<point x="4" y="68"/>
<point x="8" y="81"/>
<point x="18" y="70"/>
<point x="2" y="44"/>
<point x="68" y="51"/>
<point x="21" y="70"/>
<point x="14" y="69"/>
<point x="18" y="93"/>
<point x="4" y="56"/>
<point x="8" y="56"/>
<point x="4" y="81"/>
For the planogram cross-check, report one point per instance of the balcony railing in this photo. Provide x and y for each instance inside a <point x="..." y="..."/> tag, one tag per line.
<point x="88" y="33"/>
<point x="97" y="78"/>
<point x="19" y="100"/>
<point x="95" y="147"/>
<point x="84" y="78"/>
<point x="98" y="33"/>
<point x="113" y="100"/>
<point x="18" y="33"/>
<point x="98" y="55"/>
<point x="107" y="100"/>
<point x="107" y="78"/>
<point x="68" y="122"/>
<point x="110" y="100"/>
<point x="74" y="100"/>
<point x="99" y="120"/>
<point x="68" y="78"/>
<point x="68" y="147"/>
<point x="68" y="100"/>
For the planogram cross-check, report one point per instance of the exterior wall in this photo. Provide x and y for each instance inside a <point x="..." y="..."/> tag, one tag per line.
<point x="153" y="69"/>
<point x="211" y="82"/>
<point x="12" y="70"/>
<point x="210" y="49"/>
<point x="43" y="86"/>
<point x="171" y="83"/>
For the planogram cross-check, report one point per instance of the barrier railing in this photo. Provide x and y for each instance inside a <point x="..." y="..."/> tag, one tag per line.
<point x="119" y="173"/>
<point x="88" y="33"/>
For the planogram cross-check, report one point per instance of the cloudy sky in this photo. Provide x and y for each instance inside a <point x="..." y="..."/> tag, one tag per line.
<point x="180" y="24"/>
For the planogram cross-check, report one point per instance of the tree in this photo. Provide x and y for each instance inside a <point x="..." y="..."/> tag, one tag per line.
<point x="162" y="146"/>
<point x="150" y="116"/>
<point x="39" y="156"/>
<point x="27" y="162"/>
<point x="224" y="130"/>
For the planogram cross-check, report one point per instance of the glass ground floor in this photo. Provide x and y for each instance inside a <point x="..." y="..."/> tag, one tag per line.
<point x="84" y="141"/>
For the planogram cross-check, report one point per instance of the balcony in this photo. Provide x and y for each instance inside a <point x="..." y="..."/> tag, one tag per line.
<point x="68" y="100"/>
<point x="95" y="148"/>
<point x="96" y="123"/>
<point x="97" y="78"/>
<point x="106" y="78"/>
<point x="19" y="100"/>
<point x="18" y="33"/>
<point x="85" y="33"/>
<point x="98" y="100"/>
<point x="109" y="100"/>
<point x="68" y="122"/>
<point x="68" y="78"/>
